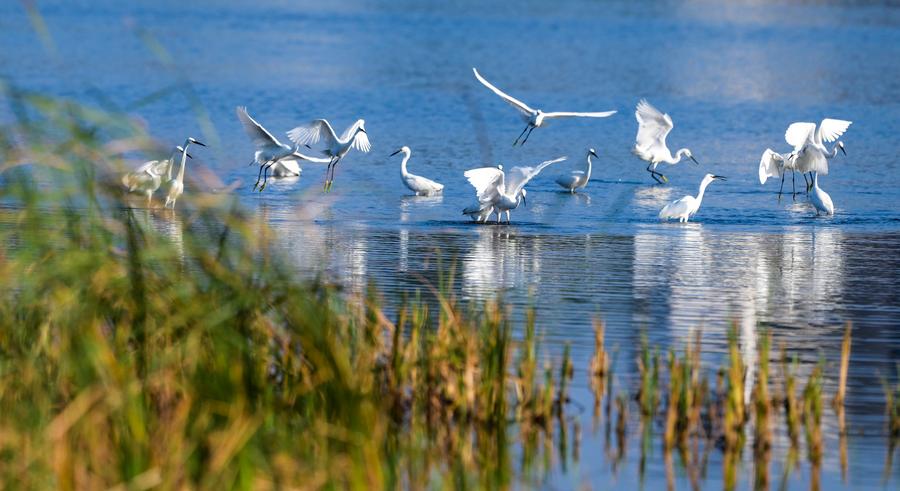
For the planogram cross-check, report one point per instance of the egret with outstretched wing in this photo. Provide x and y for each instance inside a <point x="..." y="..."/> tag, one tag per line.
<point x="500" y="191"/>
<point x="535" y="117"/>
<point x="650" y="143"/>
<point x="336" y="147"/>
<point x="271" y="154"/>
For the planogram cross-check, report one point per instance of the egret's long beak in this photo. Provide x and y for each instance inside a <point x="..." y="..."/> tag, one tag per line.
<point x="842" y="149"/>
<point x="307" y="146"/>
<point x="364" y="130"/>
<point x="695" y="160"/>
<point x="395" y="153"/>
<point x="594" y="154"/>
<point x="721" y="178"/>
<point x="189" y="155"/>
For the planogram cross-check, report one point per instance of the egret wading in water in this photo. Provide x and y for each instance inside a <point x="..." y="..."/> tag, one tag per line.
<point x="270" y="153"/>
<point x="578" y="179"/>
<point x="147" y="178"/>
<point x="820" y="199"/>
<point x="535" y="117"/>
<point x="336" y="148"/>
<point x="774" y="164"/>
<point x="161" y="166"/>
<point x="650" y="143"/>
<point x="481" y="212"/>
<point x="809" y="141"/>
<point x="422" y="186"/>
<point x="686" y="207"/>
<point x="501" y="192"/>
<point x="176" y="186"/>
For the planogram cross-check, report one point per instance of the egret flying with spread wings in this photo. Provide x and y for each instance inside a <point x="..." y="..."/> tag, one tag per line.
<point x="650" y="143"/>
<point x="499" y="191"/>
<point x="686" y="207"/>
<point x="336" y="147"/>
<point x="271" y="153"/>
<point x="535" y="117"/>
<point x="809" y="141"/>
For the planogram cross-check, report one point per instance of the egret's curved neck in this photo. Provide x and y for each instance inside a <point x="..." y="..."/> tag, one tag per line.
<point x="180" y="177"/>
<point x="171" y="164"/>
<point x="587" y="173"/>
<point x="816" y="179"/>
<point x="834" y="150"/>
<point x="702" y="190"/>
<point x="403" y="164"/>
<point x="678" y="156"/>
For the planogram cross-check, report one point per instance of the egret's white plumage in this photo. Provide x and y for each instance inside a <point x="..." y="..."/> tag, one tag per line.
<point x="176" y="186"/>
<point x="271" y="154"/>
<point x="422" y="186"/>
<point x="161" y="166"/>
<point x="774" y="164"/>
<point x="500" y="191"/>
<point x="684" y="208"/>
<point x="577" y="179"/>
<point x="809" y="141"/>
<point x="536" y="117"/>
<point x="336" y="147"/>
<point x="820" y="199"/>
<point x="650" y="143"/>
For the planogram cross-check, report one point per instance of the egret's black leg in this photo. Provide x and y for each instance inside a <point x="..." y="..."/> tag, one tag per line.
<point x="520" y="135"/>
<point x="782" y="186"/>
<point x="806" y="181"/>
<point x="266" y="176"/>
<point x="526" y="136"/>
<point x="259" y="175"/>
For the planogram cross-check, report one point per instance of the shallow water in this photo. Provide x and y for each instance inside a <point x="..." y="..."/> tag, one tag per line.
<point x="732" y="78"/>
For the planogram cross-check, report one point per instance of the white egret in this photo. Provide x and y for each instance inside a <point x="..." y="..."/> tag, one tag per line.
<point x="147" y="181"/>
<point x="535" y="117"/>
<point x="176" y="186"/>
<point x="354" y="136"/>
<point x="809" y="141"/>
<point x="501" y="192"/>
<point x="163" y="166"/>
<point x="271" y="154"/>
<point x="578" y="179"/>
<point x="774" y="164"/>
<point x="820" y="199"/>
<point x="686" y="207"/>
<point x="422" y="186"/>
<point x="650" y="143"/>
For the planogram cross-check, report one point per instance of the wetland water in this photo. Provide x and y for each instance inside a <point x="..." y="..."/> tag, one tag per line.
<point x="733" y="78"/>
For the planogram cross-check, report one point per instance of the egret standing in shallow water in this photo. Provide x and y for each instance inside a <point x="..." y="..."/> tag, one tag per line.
<point x="535" y="117"/>
<point x="176" y="187"/>
<point x="820" y="199"/>
<point x="354" y="136"/>
<point x="774" y="164"/>
<point x="499" y="192"/>
<point x="686" y="207"/>
<point x="422" y="186"/>
<point x="271" y="153"/>
<point x="577" y="179"/>
<point x="650" y="143"/>
<point x="809" y="141"/>
<point x="160" y="166"/>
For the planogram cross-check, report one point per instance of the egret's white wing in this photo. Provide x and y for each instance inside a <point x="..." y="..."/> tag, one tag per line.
<point x="563" y="114"/>
<point x="423" y="184"/>
<point x="485" y="180"/>
<point x="677" y="208"/>
<point x="145" y="167"/>
<point x="311" y="132"/>
<point x="519" y="176"/>
<point x="831" y="129"/>
<point x="361" y="142"/>
<point x="653" y="126"/>
<point x="261" y="138"/>
<point x="798" y="134"/>
<point x="770" y="165"/>
<point x="318" y="160"/>
<point x="521" y="106"/>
